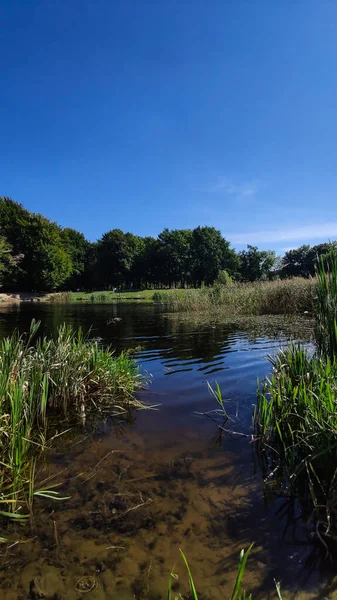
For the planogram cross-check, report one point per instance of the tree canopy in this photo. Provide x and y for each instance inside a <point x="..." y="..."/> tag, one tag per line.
<point x="301" y="262"/>
<point x="37" y="254"/>
<point x="256" y="265"/>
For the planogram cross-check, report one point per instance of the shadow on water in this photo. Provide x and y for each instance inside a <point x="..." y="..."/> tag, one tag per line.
<point x="164" y="480"/>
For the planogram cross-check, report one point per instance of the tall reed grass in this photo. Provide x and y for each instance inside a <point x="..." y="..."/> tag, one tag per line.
<point x="270" y="297"/>
<point x="64" y="376"/>
<point x="295" y="419"/>
<point x="326" y="306"/>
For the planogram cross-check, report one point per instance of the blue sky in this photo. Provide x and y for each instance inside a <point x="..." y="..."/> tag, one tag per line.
<point x="172" y="113"/>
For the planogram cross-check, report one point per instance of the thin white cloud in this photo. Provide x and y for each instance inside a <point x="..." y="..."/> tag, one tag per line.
<point x="233" y="188"/>
<point x="324" y="231"/>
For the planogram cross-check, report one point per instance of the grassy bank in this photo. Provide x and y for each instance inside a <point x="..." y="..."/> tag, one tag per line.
<point x="104" y="296"/>
<point x="287" y="296"/>
<point x="64" y="377"/>
<point x="295" y="420"/>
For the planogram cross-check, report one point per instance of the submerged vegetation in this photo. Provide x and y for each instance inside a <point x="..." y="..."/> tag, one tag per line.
<point x="295" y="419"/>
<point x="66" y="377"/>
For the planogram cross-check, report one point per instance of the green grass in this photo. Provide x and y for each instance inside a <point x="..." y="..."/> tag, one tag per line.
<point x="66" y="376"/>
<point x="106" y="296"/>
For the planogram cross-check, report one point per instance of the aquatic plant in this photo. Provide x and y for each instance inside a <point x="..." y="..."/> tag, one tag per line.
<point x="295" y="418"/>
<point x="238" y="592"/>
<point x="216" y="393"/>
<point x="67" y="376"/>
<point x="295" y="424"/>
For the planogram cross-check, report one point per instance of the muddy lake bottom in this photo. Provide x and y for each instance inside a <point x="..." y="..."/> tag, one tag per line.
<point x="140" y="490"/>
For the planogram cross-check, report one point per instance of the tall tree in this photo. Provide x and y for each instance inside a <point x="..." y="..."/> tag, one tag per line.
<point x="8" y="262"/>
<point x="174" y="255"/>
<point x="45" y="264"/>
<point x="77" y="247"/>
<point x="314" y="255"/>
<point x="146" y="266"/>
<point x="256" y="265"/>
<point x="116" y="252"/>
<point x="295" y="262"/>
<point x="210" y="253"/>
<point x="135" y="246"/>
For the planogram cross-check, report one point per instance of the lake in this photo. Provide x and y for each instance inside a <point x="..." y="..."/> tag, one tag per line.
<point x="165" y="479"/>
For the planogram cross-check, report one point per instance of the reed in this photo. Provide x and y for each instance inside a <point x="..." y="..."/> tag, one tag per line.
<point x="326" y="305"/>
<point x="66" y="376"/>
<point x="295" y="418"/>
<point x="290" y="296"/>
<point x="238" y="593"/>
<point x="216" y="393"/>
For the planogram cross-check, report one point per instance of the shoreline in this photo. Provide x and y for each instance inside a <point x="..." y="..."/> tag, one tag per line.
<point x="18" y="297"/>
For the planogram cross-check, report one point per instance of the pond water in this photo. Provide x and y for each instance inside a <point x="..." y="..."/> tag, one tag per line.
<point x="166" y="480"/>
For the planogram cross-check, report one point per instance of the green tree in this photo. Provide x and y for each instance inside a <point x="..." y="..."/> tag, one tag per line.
<point x="116" y="254"/>
<point x="46" y="263"/>
<point x="77" y="247"/>
<point x="91" y="278"/>
<point x="146" y="265"/>
<point x="315" y="253"/>
<point x="256" y="265"/>
<point x="210" y="253"/>
<point x="174" y="254"/>
<point x="14" y="220"/>
<point x="135" y="247"/>
<point x="8" y="262"/>
<point x="295" y="262"/>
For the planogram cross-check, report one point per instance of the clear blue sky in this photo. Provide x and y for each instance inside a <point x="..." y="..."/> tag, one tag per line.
<point x="172" y="113"/>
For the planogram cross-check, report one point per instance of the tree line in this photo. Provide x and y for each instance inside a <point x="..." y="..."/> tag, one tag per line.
<point x="36" y="254"/>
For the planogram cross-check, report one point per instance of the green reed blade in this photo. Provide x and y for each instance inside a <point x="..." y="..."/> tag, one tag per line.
<point x="190" y="578"/>
<point x="241" y="569"/>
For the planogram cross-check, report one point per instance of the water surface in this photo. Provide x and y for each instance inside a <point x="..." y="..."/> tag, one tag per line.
<point x="140" y="491"/>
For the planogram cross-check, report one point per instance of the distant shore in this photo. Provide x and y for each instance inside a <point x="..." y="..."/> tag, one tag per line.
<point x="17" y="297"/>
